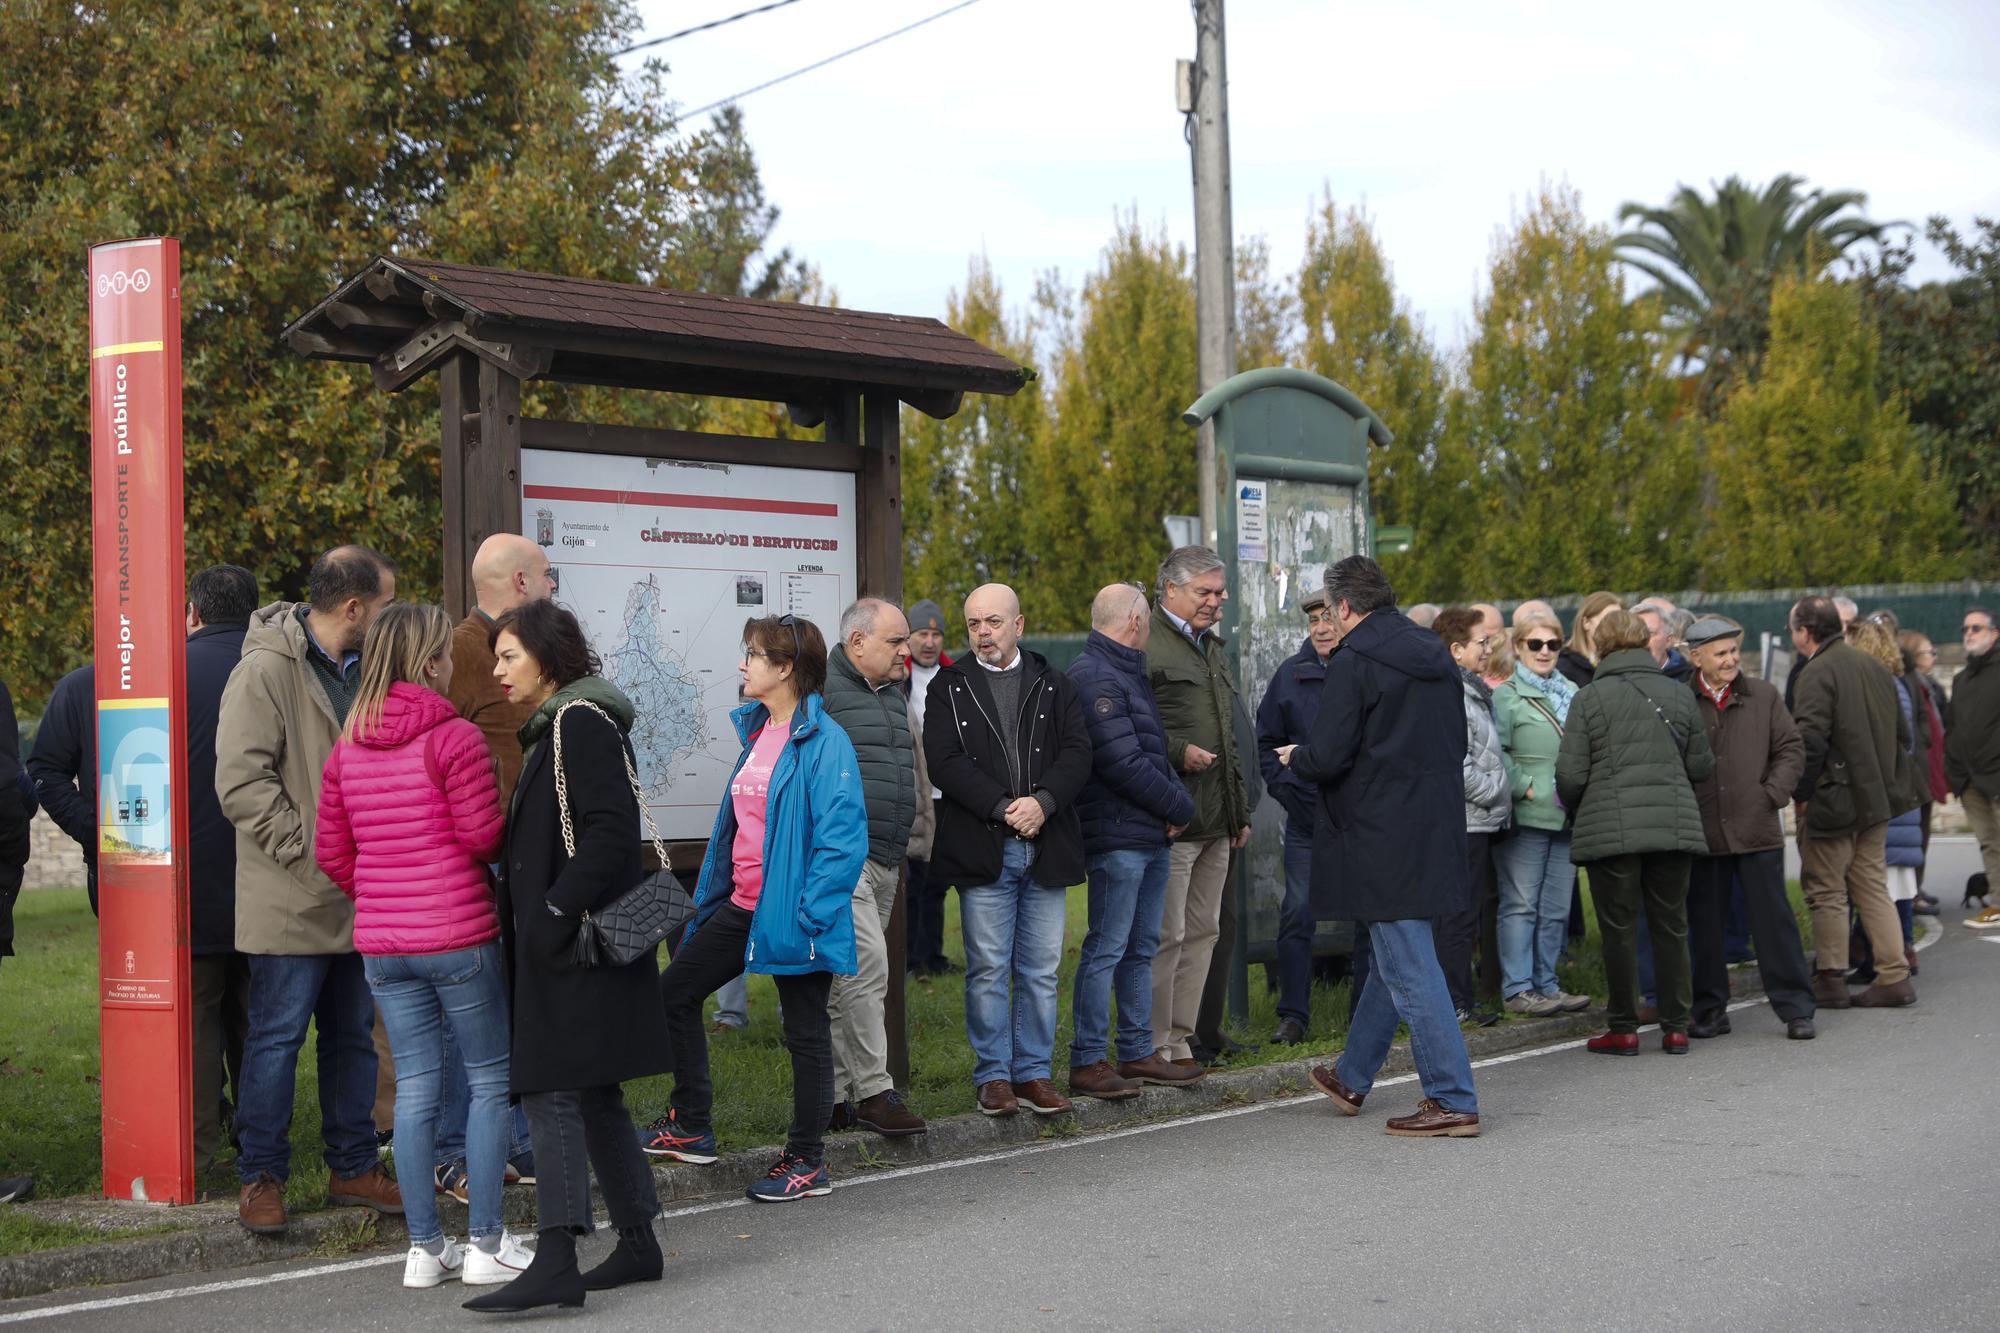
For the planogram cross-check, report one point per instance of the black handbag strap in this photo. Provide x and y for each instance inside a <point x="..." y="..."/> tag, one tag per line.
<point x="1680" y="741"/>
<point x="1541" y="706"/>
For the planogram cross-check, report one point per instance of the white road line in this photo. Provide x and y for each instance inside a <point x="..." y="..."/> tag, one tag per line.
<point x="872" y="1178"/>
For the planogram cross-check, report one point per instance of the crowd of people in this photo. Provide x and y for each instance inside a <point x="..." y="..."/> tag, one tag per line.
<point x="401" y="824"/>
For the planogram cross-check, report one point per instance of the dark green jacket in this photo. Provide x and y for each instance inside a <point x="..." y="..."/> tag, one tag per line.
<point x="1857" y="743"/>
<point x="1197" y="699"/>
<point x="1972" y="744"/>
<point x="1630" y="755"/>
<point x="878" y="722"/>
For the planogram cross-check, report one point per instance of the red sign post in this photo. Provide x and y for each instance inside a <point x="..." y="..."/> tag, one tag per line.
<point x="139" y="579"/>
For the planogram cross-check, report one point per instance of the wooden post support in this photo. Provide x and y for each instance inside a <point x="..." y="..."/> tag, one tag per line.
<point x="458" y="438"/>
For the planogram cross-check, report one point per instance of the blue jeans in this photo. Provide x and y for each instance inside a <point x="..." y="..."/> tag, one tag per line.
<point x="1295" y="929"/>
<point x="1013" y="928"/>
<point x="455" y="1104"/>
<point x="1405" y="981"/>
<point x="1536" y="881"/>
<point x="288" y="992"/>
<point x="422" y="996"/>
<point x="1128" y="891"/>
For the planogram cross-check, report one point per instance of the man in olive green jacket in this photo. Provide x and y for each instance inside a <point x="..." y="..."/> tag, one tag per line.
<point x="1845" y="705"/>
<point x="281" y="713"/>
<point x="1189" y="672"/>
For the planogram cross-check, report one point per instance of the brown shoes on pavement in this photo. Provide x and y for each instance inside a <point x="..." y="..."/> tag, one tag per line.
<point x="373" y="1188"/>
<point x="888" y="1115"/>
<point x="261" y="1209"/>
<point x="1040" y="1096"/>
<point x="1892" y="996"/>
<point x="1329" y="1083"/>
<point x="1432" y="1121"/>
<point x="996" y="1098"/>
<point x="1830" y="990"/>
<point x="1161" y="1072"/>
<point x="1101" y="1081"/>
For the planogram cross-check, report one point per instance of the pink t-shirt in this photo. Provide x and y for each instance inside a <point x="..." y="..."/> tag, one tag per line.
<point x="749" y="791"/>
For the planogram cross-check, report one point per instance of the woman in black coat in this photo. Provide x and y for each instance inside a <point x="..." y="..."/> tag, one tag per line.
<point x="578" y="1032"/>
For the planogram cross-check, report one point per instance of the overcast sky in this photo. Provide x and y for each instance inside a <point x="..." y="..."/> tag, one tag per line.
<point x="1020" y="128"/>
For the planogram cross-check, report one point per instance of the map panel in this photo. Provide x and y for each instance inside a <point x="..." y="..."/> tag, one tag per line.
<point x="663" y="560"/>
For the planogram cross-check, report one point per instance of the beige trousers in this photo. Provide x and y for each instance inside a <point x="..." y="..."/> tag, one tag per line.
<point x="860" y="1034"/>
<point x="1198" y="871"/>
<point x="1984" y="816"/>
<point x="1848" y="868"/>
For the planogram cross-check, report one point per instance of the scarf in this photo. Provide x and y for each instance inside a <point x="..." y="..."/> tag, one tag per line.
<point x="1558" y="689"/>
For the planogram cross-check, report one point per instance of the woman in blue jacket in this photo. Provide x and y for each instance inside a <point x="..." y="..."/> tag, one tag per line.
<point x="776" y="895"/>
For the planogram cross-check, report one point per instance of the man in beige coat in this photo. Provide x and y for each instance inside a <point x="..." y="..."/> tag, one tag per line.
<point x="281" y="713"/>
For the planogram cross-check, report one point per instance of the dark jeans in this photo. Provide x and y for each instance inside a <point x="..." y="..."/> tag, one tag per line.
<point x="288" y="992"/>
<point x="219" y="990"/>
<point x="1618" y="885"/>
<point x="1456" y="934"/>
<point x="1489" y="928"/>
<point x="1295" y="929"/>
<point x="591" y="1124"/>
<point x="923" y="917"/>
<point x="715" y="956"/>
<point x="1781" y="958"/>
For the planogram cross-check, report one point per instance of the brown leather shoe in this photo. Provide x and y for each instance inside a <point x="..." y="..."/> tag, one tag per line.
<point x="1040" y="1096"/>
<point x="1344" y="1097"/>
<point x="888" y="1115"/>
<point x="1830" y="990"/>
<point x="1101" y="1081"/>
<point x="1892" y="996"/>
<point x="261" y="1209"/>
<point x="1161" y="1072"/>
<point x="996" y="1098"/>
<point x="373" y="1188"/>
<point x="1432" y="1121"/>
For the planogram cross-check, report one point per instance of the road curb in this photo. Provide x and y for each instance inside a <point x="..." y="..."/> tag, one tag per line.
<point x="216" y="1242"/>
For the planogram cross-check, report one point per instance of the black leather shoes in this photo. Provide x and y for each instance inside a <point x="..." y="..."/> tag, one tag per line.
<point x="1801" y="1029"/>
<point x="1290" y="1032"/>
<point x="1710" y="1027"/>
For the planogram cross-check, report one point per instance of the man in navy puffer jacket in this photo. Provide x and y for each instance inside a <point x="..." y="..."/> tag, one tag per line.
<point x="1133" y="803"/>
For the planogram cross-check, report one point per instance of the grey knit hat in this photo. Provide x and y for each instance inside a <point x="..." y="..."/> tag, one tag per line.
<point x="1707" y="629"/>
<point x="926" y="615"/>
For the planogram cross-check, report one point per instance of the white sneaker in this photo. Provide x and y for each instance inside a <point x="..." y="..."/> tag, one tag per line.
<point x="1986" y="920"/>
<point x="504" y="1265"/>
<point x="1568" y="1003"/>
<point x="1531" y="1002"/>
<point x="423" y="1269"/>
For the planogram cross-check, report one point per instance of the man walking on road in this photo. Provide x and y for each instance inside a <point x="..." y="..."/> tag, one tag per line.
<point x="1972" y="746"/>
<point x="862" y="674"/>
<point x="281" y="713"/>
<point x="1857" y="752"/>
<point x="1007" y="747"/>
<point x="1189" y="671"/>
<point x="1758" y="760"/>
<point x="1388" y="754"/>
<point x="1133" y="803"/>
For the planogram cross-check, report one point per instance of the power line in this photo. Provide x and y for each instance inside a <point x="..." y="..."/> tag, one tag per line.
<point x="820" y="64"/>
<point x="701" y="27"/>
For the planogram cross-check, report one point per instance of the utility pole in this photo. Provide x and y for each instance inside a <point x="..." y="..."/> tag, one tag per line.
<point x="1204" y="98"/>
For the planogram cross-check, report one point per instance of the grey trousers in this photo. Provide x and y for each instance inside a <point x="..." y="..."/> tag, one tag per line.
<point x="574" y="1132"/>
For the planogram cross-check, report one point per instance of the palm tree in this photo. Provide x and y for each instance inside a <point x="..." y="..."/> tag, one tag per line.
<point x="1714" y="261"/>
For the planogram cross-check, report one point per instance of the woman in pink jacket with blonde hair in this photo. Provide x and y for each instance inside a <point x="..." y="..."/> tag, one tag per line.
<point x="409" y="819"/>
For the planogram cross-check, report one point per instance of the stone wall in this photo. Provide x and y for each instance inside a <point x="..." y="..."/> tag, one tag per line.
<point x="54" y="860"/>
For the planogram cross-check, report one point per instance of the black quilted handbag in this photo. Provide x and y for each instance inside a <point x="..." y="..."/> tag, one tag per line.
<point x="630" y="926"/>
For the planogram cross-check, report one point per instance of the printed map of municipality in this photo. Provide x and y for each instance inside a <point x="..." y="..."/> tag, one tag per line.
<point x="663" y="560"/>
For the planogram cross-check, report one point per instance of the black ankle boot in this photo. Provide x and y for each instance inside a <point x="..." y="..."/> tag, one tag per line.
<point x="636" y="1258"/>
<point x="551" y="1279"/>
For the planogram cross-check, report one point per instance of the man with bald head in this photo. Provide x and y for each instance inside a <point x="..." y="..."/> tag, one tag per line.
<point x="507" y="571"/>
<point x="1133" y="803"/>
<point x="1008" y="748"/>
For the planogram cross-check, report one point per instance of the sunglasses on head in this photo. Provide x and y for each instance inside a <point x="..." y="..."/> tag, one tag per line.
<point x="1541" y="645"/>
<point x="791" y="623"/>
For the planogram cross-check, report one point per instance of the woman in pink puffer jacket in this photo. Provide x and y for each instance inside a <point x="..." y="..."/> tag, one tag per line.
<point x="409" y="819"/>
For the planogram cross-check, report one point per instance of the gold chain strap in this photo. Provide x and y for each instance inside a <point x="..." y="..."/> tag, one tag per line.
<point x="631" y="775"/>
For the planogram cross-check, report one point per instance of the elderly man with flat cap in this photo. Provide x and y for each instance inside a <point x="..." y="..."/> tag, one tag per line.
<point x="1759" y="757"/>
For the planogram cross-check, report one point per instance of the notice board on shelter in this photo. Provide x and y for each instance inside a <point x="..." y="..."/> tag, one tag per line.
<point x="663" y="560"/>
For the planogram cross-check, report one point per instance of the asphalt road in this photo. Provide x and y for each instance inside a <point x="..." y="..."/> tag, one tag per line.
<point x="1846" y="1183"/>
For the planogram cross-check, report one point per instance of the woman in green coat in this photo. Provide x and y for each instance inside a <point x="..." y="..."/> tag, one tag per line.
<point x="1634" y="748"/>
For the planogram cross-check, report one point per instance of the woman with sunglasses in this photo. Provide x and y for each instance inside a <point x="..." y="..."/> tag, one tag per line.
<point x="1530" y="712"/>
<point x="776" y="895"/>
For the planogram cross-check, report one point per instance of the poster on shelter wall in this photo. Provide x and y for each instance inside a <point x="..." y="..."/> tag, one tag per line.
<point x="663" y="560"/>
<point x="1253" y="539"/>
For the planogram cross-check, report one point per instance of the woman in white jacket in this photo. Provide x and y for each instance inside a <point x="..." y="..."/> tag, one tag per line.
<point x="1488" y="807"/>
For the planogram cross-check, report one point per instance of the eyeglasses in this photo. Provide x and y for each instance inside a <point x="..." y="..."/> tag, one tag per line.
<point x="1320" y="618"/>
<point x="1542" y="645"/>
<point x="1971" y="630"/>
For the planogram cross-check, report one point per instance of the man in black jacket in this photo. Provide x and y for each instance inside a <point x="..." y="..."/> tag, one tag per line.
<point x="1972" y="746"/>
<point x="1388" y="754"/>
<point x="64" y="765"/>
<point x="1007" y="747"/>
<point x="14" y="817"/>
